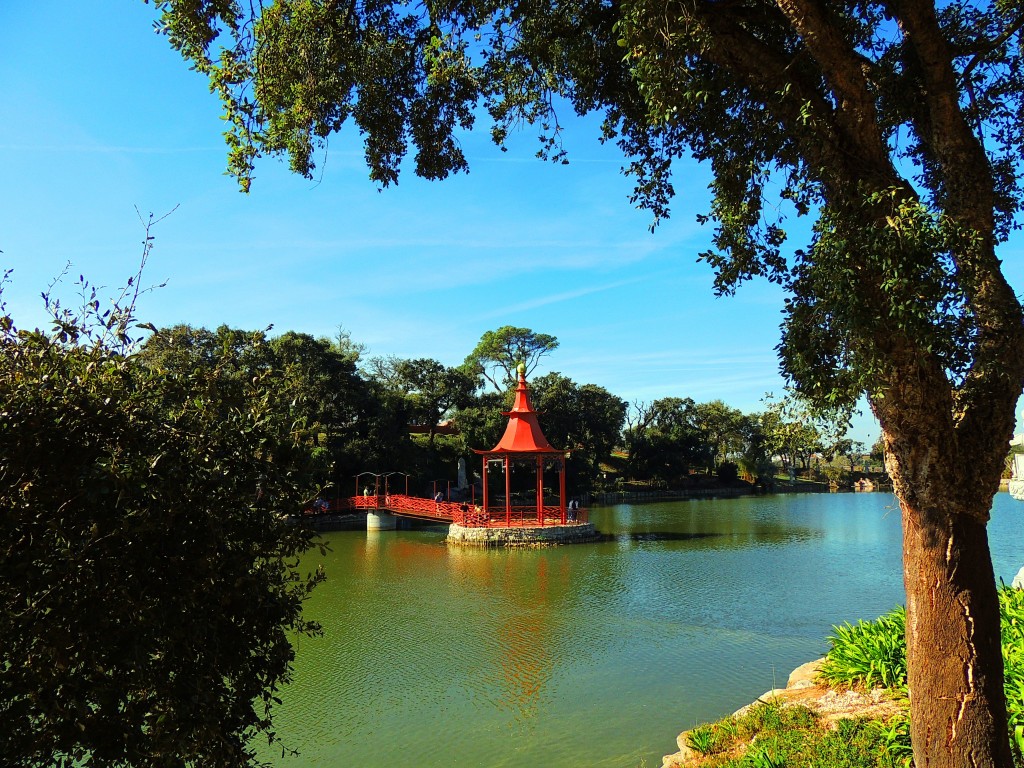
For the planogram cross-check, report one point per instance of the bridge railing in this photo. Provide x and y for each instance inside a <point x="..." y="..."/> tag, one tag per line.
<point x="467" y="515"/>
<point x="420" y="507"/>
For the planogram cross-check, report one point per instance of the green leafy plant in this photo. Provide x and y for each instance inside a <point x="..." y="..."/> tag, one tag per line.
<point x="869" y="653"/>
<point x="764" y="758"/>
<point x="702" y="739"/>
<point x="874" y="653"/>
<point x="1011" y="614"/>
<point x="895" y="740"/>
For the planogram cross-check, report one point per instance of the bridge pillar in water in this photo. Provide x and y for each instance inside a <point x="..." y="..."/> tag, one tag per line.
<point x="379" y="520"/>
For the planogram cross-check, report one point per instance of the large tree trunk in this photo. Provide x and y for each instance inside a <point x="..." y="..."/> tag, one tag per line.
<point x="958" y="708"/>
<point x="945" y="480"/>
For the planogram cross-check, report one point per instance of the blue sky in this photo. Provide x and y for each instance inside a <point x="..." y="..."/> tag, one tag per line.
<point x="100" y="116"/>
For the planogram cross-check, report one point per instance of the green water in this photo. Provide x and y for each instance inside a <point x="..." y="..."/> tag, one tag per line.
<point x="593" y="655"/>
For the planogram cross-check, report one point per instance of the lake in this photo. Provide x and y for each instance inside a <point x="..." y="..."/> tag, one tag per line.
<point x="594" y="654"/>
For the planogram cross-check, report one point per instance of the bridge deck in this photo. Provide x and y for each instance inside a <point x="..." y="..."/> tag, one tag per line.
<point x="467" y="515"/>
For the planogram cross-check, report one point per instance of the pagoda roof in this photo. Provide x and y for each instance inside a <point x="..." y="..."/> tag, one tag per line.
<point x="523" y="433"/>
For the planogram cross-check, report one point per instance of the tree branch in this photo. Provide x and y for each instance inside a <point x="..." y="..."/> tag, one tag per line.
<point x="992" y="45"/>
<point x="844" y="71"/>
<point x="967" y="182"/>
<point x="837" y="138"/>
<point x="997" y="374"/>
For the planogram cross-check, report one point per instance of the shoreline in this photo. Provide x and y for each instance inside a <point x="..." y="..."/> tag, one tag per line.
<point x="802" y="689"/>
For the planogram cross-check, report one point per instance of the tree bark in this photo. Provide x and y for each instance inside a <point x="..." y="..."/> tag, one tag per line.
<point x="953" y="643"/>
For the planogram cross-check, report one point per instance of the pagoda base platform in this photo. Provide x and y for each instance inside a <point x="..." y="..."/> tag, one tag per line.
<point x="522" y="536"/>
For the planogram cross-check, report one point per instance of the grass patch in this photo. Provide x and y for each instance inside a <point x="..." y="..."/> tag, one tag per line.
<point x="1011" y="614"/>
<point x="775" y="736"/>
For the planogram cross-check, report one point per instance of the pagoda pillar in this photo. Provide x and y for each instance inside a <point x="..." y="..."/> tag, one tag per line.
<point x="508" y="492"/>
<point x="540" y="490"/>
<point x="484" y="489"/>
<point x="561" y="489"/>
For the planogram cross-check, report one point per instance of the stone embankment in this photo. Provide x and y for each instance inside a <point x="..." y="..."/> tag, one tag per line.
<point x="803" y="689"/>
<point x="526" y="536"/>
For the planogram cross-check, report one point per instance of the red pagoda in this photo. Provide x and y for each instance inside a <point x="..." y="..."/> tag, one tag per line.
<point x="523" y="445"/>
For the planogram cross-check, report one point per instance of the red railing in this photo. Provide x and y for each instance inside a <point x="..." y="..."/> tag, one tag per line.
<point x="468" y="515"/>
<point x="499" y="516"/>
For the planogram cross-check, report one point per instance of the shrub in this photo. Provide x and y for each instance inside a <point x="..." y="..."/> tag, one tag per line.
<point x="702" y="739"/>
<point x="148" y="588"/>
<point x="728" y="472"/>
<point x="1011" y="609"/>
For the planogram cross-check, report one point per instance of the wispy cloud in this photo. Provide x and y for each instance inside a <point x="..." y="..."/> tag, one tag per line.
<point x="555" y="298"/>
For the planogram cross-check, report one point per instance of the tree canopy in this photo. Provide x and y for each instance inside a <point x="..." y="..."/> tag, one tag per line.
<point x="434" y="390"/>
<point x="896" y="126"/>
<point x="665" y="438"/>
<point x="584" y="419"/>
<point x="498" y="354"/>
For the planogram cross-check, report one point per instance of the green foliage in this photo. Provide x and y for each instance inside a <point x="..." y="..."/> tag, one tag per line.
<point x="763" y="757"/>
<point x="481" y="423"/>
<point x="851" y="450"/>
<point x="723" y="428"/>
<point x="895" y="738"/>
<point x="912" y="252"/>
<point x="869" y="653"/>
<point x="432" y="390"/>
<point x="795" y="429"/>
<point x="665" y="438"/>
<point x="878" y="451"/>
<point x="1011" y="609"/>
<point x="499" y="352"/>
<point x="728" y="472"/>
<point x="148" y="587"/>
<point x="318" y="395"/>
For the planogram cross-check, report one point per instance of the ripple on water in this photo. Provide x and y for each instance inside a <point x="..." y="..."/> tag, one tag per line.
<point x="496" y="659"/>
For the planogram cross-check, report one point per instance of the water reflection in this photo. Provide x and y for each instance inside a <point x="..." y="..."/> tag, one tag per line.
<point x="518" y="594"/>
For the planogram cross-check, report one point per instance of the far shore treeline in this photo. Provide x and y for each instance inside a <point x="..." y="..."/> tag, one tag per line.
<point x="358" y="413"/>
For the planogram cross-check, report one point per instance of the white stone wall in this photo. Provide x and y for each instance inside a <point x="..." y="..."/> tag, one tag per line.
<point x="548" y="535"/>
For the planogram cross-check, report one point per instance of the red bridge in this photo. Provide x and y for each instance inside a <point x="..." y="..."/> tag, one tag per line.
<point x="464" y="513"/>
